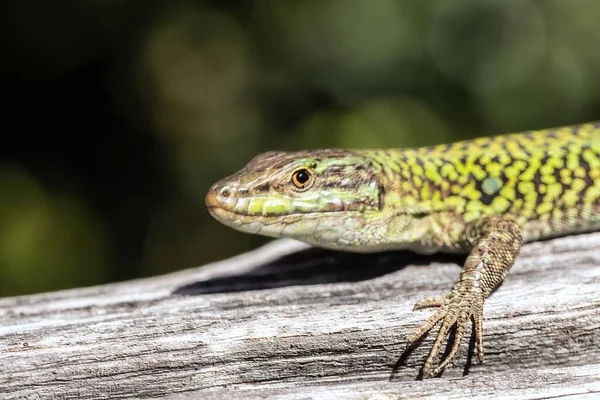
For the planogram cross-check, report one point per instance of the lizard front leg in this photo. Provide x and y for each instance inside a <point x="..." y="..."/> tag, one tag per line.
<point x="494" y="242"/>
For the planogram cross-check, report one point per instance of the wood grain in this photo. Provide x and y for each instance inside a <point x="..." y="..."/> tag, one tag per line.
<point x="288" y="321"/>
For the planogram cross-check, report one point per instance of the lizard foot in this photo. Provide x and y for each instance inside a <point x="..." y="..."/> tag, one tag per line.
<point x="455" y="308"/>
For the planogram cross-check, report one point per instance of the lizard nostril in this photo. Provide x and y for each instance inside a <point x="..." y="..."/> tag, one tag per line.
<point x="225" y="192"/>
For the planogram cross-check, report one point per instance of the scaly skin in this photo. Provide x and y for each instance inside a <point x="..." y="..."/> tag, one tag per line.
<point x="482" y="197"/>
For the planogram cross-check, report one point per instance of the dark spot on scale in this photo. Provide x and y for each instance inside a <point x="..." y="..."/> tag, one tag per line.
<point x="586" y="167"/>
<point x="523" y="148"/>
<point x="263" y="187"/>
<point x="330" y="185"/>
<point x="486" y="198"/>
<point x="381" y="197"/>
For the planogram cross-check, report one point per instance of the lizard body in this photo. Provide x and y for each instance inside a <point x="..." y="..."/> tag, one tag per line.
<point x="482" y="197"/>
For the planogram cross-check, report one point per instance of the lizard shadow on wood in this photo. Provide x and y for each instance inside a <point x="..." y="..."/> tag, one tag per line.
<point x="315" y="266"/>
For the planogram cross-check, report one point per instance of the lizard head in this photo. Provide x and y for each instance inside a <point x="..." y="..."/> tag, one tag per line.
<point x="324" y="197"/>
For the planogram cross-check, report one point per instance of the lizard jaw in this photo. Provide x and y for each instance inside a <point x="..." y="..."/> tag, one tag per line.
<point x="335" y="230"/>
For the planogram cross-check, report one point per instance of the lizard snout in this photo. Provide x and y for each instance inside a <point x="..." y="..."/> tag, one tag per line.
<point x="220" y="196"/>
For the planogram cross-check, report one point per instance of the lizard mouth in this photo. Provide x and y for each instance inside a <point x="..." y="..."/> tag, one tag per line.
<point x="299" y="226"/>
<point x="224" y="215"/>
<point x="233" y="217"/>
<point x="227" y="207"/>
<point x="267" y="225"/>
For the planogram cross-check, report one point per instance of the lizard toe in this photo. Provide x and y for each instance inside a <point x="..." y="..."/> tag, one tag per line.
<point x="429" y="302"/>
<point x="456" y="310"/>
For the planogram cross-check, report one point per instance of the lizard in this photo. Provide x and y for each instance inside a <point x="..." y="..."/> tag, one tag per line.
<point x="483" y="197"/>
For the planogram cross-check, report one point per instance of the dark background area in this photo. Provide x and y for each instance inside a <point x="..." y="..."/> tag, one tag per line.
<point x="118" y="115"/>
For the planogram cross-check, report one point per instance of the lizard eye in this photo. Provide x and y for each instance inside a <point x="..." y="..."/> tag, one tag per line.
<point x="301" y="178"/>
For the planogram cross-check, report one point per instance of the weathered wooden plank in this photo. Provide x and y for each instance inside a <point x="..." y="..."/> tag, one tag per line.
<point x="570" y="382"/>
<point x="289" y="321"/>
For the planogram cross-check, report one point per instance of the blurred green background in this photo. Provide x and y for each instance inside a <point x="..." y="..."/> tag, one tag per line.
<point x="118" y="115"/>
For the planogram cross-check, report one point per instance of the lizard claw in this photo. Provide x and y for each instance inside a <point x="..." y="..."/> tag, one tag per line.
<point x="455" y="308"/>
<point x="429" y="302"/>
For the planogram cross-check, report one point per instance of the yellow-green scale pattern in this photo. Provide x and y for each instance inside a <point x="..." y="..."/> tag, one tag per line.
<point x="483" y="197"/>
<point x="548" y="179"/>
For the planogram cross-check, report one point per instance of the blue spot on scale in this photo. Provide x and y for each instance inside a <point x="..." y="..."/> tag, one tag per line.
<point x="490" y="185"/>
